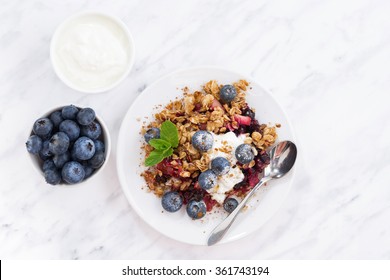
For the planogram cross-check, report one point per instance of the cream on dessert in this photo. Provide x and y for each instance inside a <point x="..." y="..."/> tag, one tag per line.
<point x="224" y="145"/>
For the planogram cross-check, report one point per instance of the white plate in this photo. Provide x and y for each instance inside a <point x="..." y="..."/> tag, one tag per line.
<point x="178" y="225"/>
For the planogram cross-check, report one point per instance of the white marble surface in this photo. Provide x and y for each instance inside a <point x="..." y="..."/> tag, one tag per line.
<point x="327" y="62"/>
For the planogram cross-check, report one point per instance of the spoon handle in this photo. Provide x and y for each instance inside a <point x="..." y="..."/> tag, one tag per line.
<point x="217" y="234"/>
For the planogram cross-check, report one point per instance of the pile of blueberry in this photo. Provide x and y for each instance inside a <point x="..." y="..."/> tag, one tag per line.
<point x="69" y="143"/>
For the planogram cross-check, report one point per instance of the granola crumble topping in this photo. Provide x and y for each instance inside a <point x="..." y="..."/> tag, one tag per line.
<point x="203" y="110"/>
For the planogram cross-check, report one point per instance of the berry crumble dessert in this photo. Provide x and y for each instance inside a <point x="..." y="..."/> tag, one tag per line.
<point x="206" y="149"/>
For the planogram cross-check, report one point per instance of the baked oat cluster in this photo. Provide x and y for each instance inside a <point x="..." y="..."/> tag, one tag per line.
<point x="221" y="149"/>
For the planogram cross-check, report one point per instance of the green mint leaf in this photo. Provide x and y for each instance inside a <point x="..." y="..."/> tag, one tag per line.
<point x="154" y="158"/>
<point x="157" y="156"/>
<point x="168" y="152"/>
<point x="169" y="133"/>
<point x="169" y="137"/>
<point x="159" y="144"/>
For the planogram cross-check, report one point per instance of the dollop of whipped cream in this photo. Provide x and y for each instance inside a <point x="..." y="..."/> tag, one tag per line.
<point x="224" y="146"/>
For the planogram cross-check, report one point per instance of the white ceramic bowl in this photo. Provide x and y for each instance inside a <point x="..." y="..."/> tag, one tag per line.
<point x="105" y="138"/>
<point x="121" y="32"/>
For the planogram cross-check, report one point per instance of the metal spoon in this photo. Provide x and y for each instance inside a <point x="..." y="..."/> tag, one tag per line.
<point x="283" y="157"/>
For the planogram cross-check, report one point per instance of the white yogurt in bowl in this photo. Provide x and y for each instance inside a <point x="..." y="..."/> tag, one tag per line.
<point x="92" y="52"/>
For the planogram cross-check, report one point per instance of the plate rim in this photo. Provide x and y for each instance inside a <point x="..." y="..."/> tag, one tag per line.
<point x="121" y="129"/>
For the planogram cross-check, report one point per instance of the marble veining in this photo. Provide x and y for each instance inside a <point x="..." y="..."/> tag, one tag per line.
<point x="326" y="62"/>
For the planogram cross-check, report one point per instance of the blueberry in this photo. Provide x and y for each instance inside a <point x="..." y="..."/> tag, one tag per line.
<point x="45" y="153"/>
<point x="48" y="165"/>
<point x="59" y="143"/>
<point x="248" y="112"/>
<point x="73" y="154"/>
<point x="88" y="171"/>
<point x="86" y="116"/>
<point x="97" y="160"/>
<point x="99" y="146"/>
<point x="69" y="112"/>
<point x="34" y="144"/>
<point x="56" y="118"/>
<point x="84" y="148"/>
<point x="60" y="160"/>
<point x="207" y="179"/>
<point x="220" y="166"/>
<point x="153" y="133"/>
<point x="43" y="127"/>
<point x="71" y="128"/>
<point x="172" y="201"/>
<point x="196" y="209"/>
<point x="227" y="93"/>
<point x="202" y="140"/>
<point x="52" y="176"/>
<point x="73" y="172"/>
<point x="230" y="204"/>
<point x="244" y="153"/>
<point x="93" y="130"/>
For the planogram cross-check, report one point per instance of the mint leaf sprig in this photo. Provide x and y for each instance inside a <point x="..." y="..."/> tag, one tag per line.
<point x="163" y="147"/>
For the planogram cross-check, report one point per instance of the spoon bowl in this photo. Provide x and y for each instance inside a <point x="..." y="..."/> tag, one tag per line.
<point x="282" y="159"/>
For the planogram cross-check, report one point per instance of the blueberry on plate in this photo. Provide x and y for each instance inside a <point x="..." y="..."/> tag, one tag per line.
<point x="97" y="160"/>
<point x="52" y="176"/>
<point x="48" y="165"/>
<point x="152" y="133"/>
<point x="202" y="140"/>
<point x="196" y="209"/>
<point x="59" y="143"/>
<point x="71" y="128"/>
<point x="227" y="93"/>
<point x="86" y="116"/>
<point x="60" y="160"/>
<point x="207" y="179"/>
<point x="34" y="144"/>
<point x="83" y="148"/>
<point x="244" y="153"/>
<point x="45" y="153"/>
<point x="220" y="166"/>
<point x="172" y="201"/>
<point x="248" y="112"/>
<point x="230" y="204"/>
<point x="69" y="112"/>
<point x="73" y="172"/>
<point x="43" y="127"/>
<point x="56" y="118"/>
<point x="99" y="146"/>
<point x="93" y="130"/>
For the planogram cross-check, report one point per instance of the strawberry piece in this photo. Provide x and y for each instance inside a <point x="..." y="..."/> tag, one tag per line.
<point x="243" y="120"/>
<point x="216" y="104"/>
<point x="210" y="203"/>
<point x="229" y="126"/>
<point x="198" y="106"/>
<point x="168" y="169"/>
<point x="253" y="177"/>
<point x="202" y="126"/>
